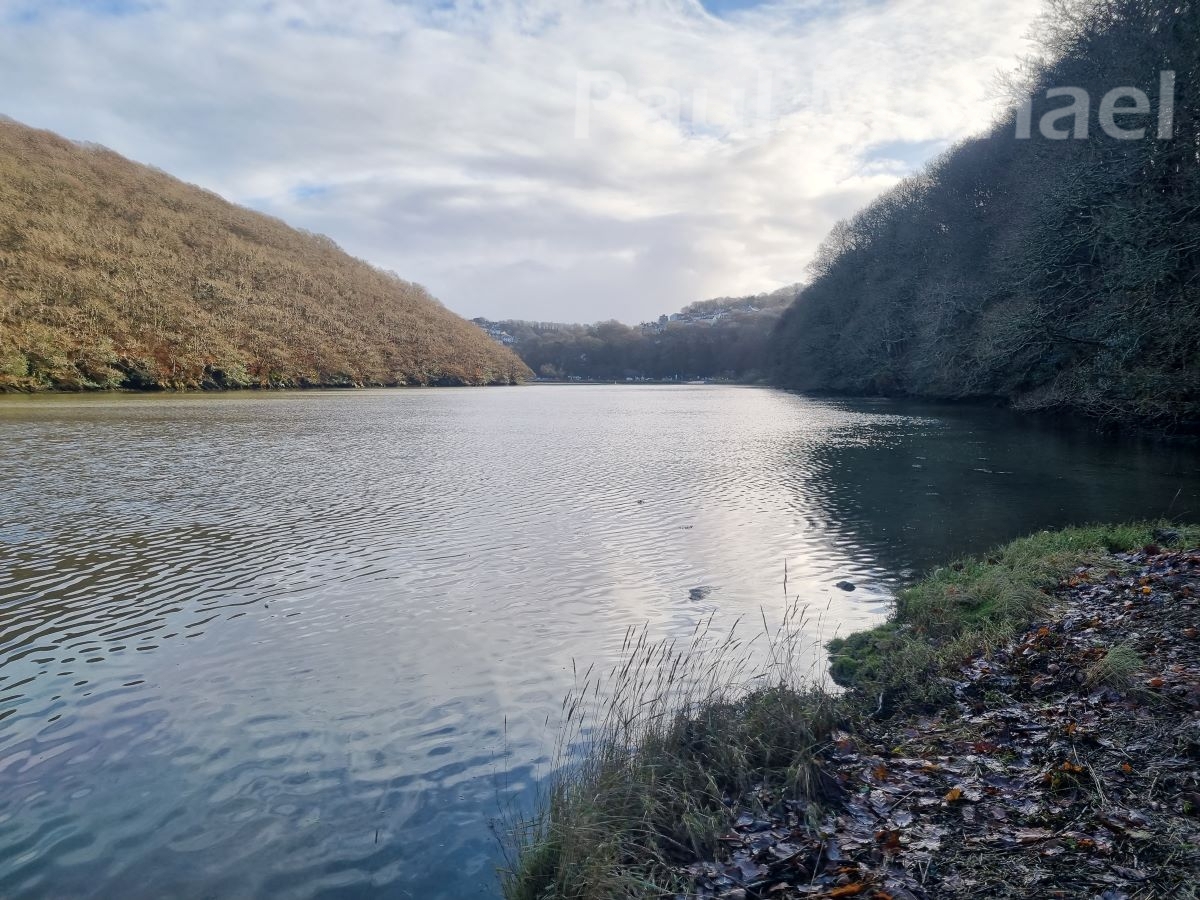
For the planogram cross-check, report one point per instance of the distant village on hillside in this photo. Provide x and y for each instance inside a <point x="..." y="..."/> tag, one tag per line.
<point x="702" y="312"/>
<point x="724" y="338"/>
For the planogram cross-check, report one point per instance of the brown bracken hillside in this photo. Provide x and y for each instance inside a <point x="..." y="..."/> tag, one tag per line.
<point x="113" y="275"/>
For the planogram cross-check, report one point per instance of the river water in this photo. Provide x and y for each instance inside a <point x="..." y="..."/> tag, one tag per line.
<point x="307" y="644"/>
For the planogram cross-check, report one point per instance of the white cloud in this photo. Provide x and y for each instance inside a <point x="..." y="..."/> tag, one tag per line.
<point x="439" y="140"/>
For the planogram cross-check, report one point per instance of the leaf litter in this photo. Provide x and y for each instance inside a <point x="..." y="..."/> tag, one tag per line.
<point x="1067" y="765"/>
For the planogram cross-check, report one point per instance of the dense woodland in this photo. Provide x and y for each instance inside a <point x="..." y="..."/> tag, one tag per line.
<point x="720" y="338"/>
<point x="1055" y="274"/>
<point x="113" y="274"/>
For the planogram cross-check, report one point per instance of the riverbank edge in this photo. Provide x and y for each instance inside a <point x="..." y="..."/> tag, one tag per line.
<point x="649" y="799"/>
<point x="42" y="390"/>
<point x="1183" y="430"/>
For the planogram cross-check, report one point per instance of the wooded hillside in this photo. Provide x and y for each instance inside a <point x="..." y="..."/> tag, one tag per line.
<point x="1056" y="272"/>
<point x="725" y="337"/>
<point x="113" y="274"/>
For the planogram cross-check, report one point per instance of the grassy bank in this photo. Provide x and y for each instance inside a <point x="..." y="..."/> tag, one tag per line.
<point x="683" y="728"/>
<point x="975" y="604"/>
<point x="691" y="731"/>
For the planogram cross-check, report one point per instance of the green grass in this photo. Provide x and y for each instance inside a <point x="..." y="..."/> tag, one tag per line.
<point x="615" y="827"/>
<point x="1115" y="669"/>
<point x="973" y="605"/>
<point x="683" y="728"/>
<point x="675" y="731"/>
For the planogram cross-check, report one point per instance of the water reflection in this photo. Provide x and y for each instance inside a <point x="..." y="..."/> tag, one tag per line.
<point x="943" y="481"/>
<point x="294" y="645"/>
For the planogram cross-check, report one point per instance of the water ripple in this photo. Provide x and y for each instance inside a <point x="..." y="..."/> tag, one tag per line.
<point x="305" y="644"/>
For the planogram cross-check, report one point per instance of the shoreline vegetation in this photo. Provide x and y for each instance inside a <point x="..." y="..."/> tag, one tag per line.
<point x="1024" y="724"/>
<point x="116" y="275"/>
<point x="1056" y="274"/>
<point x="722" y="338"/>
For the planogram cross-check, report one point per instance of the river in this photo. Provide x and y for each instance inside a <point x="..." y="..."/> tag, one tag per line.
<point x="306" y="644"/>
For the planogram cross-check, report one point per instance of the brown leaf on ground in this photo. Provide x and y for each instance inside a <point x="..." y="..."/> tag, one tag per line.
<point x="1032" y="783"/>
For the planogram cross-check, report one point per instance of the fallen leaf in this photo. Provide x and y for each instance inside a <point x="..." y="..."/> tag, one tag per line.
<point x="953" y="794"/>
<point x="890" y="840"/>
<point x="848" y="890"/>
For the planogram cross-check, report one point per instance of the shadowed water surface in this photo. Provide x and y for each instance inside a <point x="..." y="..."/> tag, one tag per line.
<point x="299" y="645"/>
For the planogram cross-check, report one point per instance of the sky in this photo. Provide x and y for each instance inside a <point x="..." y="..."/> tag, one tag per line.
<point x="565" y="160"/>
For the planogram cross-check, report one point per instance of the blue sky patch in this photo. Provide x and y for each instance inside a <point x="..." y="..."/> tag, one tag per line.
<point x="32" y="11"/>
<point x="726" y="7"/>
<point x="912" y="155"/>
<point x="309" y="191"/>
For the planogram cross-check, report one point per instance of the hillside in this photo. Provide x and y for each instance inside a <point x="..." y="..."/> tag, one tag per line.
<point x="113" y="274"/>
<point x="1055" y="271"/>
<point x="721" y="338"/>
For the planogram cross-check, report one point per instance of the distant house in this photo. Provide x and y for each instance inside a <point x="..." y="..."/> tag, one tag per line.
<point x="494" y="331"/>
